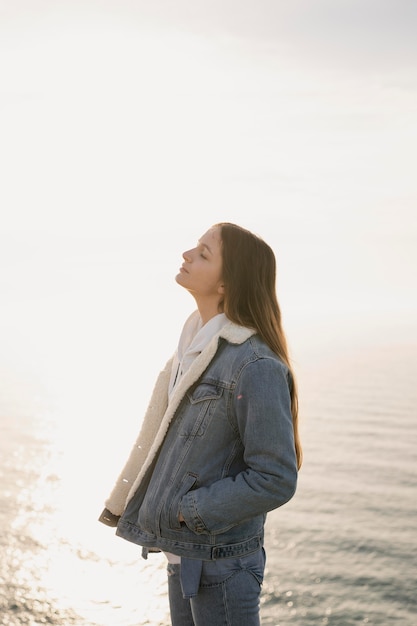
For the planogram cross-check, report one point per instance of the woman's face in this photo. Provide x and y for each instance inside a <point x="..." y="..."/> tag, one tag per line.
<point x="201" y="272"/>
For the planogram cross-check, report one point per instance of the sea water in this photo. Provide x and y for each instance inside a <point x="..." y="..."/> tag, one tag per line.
<point x="342" y="552"/>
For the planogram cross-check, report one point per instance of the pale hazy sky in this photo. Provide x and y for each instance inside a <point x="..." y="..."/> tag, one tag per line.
<point x="127" y="128"/>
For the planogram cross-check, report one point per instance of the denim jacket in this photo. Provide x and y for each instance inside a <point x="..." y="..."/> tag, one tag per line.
<point x="221" y="453"/>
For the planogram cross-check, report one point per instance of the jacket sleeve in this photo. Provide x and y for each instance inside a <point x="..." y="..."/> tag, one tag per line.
<point x="262" y="411"/>
<point x="116" y="502"/>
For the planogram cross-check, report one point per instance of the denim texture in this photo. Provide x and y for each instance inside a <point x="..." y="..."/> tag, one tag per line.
<point x="180" y="607"/>
<point x="228" y="594"/>
<point x="228" y="457"/>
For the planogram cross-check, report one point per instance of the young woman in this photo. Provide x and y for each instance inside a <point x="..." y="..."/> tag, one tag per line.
<point x="219" y="444"/>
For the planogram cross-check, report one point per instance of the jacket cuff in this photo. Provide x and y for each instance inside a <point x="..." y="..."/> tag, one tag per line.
<point x="108" y="518"/>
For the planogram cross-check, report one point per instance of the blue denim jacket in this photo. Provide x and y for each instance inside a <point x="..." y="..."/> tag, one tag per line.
<point x="227" y="459"/>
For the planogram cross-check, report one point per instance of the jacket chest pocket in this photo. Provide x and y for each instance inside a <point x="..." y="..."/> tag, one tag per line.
<point x="203" y="401"/>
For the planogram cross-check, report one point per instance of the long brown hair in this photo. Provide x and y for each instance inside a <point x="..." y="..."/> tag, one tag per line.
<point x="249" y="278"/>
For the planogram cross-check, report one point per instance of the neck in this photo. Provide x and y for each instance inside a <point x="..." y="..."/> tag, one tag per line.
<point x="207" y="311"/>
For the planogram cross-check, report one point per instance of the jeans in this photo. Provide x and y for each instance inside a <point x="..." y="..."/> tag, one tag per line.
<point x="228" y="594"/>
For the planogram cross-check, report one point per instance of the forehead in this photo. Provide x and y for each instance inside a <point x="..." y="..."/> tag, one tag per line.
<point x="211" y="238"/>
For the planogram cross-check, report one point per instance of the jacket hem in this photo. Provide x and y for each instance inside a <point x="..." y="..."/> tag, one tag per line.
<point x="130" y="532"/>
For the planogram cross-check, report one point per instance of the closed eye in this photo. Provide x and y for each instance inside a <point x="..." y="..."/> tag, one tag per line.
<point x="204" y="247"/>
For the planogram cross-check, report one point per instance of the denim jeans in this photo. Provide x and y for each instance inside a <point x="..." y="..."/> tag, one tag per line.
<point x="228" y="594"/>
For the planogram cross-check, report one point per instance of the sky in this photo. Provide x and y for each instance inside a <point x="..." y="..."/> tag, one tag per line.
<point x="128" y="128"/>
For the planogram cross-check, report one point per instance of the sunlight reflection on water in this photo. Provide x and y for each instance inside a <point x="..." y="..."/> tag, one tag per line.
<point x="59" y="564"/>
<point x="87" y="568"/>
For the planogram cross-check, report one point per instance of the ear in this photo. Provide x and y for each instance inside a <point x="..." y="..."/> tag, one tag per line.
<point x="220" y="289"/>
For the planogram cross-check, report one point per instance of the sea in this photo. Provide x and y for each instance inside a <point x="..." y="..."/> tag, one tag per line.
<point x="342" y="552"/>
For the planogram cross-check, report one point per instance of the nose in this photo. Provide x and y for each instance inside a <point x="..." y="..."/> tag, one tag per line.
<point x="187" y="255"/>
